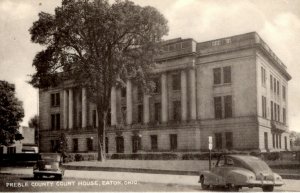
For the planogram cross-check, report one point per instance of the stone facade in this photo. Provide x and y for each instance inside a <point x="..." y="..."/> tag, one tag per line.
<point x="219" y="88"/>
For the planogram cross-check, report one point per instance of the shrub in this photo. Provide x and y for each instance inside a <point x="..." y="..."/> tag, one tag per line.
<point x="78" y="157"/>
<point x="272" y="156"/>
<point x="69" y="158"/>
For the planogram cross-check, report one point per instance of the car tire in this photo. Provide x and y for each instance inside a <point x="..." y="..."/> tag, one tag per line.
<point x="268" y="188"/>
<point x="233" y="188"/>
<point x="59" y="177"/>
<point x="35" y="176"/>
<point x="203" y="186"/>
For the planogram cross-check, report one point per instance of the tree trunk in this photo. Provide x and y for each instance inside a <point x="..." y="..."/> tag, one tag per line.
<point x="101" y="133"/>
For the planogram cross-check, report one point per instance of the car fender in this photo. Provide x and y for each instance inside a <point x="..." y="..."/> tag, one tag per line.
<point x="212" y="178"/>
<point x="239" y="176"/>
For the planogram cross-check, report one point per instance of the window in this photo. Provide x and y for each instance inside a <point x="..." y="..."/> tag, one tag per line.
<point x="123" y="110"/>
<point x="140" y="93"/>
<point x="1" y="150"/>
<point x="278" y="113"/>
<point x="284" y="115"/>
<point x="283" y="93"/>
<point x="228" y="106"/>
<point x="154" y="142"/>
<point x="227" y="41"/>
<point x="157" y="111"/>
<point x="217" y="75"/>
<point x="280" y="141"/>
<point x="80" y="119"/>
<point x="140" y="113"/>
<point x="55" y="121"/>
<point x="275" y="111"/>
<point x="266" y="140"/>
<point x="11" y="150"/>
<point x="216" y="43"/>
<point x="123" y="92"/>
<point x="263" y="76"/>
<point x="55" y="99"/>
<point x="218" y="140"/>
<point x="157" y="85"/>
<point x="264" y="107"/>
<point x="277" y="87"/>
<point x="176" y="110"/>
<point x="274" y="85"/>
<point x="75" y="145"/>
<point x="108" y="117"/>
<point x="120" y="144"/>
<point x="94" y="118"/>
<point x="285" y="143"/>
<point x="176" y="81"/>
<point x="273" y="139"/>
<point x="277" y="140"/>
<point x="272" y="117"/>
<point x="229" y="140"/>
<point x="136" y="144"/>
<point x="227" y="74"/>
<point x="173" y="141"/>
<point x="106" y="144"/>
<point x="54" y="145"/>
<point x="89" y="144"/>
<point x="218" y="107"/>
<point x="271" y="82"/>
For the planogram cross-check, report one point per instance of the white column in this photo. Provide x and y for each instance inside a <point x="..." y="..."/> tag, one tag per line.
<point x="84" y="108"/>
<point x="146" y="109"/>
<point x="183" y="96"/>
<point x="70" y="108"/>
<point x="113" y="105"/>
<point x="192" y="94"/>
<point x="129" y="102"/>
<point x="65" y="110"/>
<point x="164" y="98"/>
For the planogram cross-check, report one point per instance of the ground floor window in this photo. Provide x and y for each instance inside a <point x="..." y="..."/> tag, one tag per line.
<point x="154" y="142"/>
<point x="266" y="140"/>
<point x="54" y="145"/>
<point x="106" y="144"/>
<point x="229" y="140"/>
<point x="89" y="143"/>
<point x="120" y="144"/>
<point x="285" y="143"/>
<point x="273" y="139"/>
<point x="173" y="141"/>
<point x="218" y="140"/>
<point x="75" y="145"/>
<point x="136" y="144"/>
<point x="11" y="150"/>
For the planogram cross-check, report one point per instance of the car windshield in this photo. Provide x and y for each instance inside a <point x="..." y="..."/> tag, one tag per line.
<point x="256" y="164"/>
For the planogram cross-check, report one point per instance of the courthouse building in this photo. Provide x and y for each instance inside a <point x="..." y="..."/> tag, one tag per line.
<point x="233" y="89"/>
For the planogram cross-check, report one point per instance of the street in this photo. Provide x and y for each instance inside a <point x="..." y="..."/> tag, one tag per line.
<point x="21" y="179"/>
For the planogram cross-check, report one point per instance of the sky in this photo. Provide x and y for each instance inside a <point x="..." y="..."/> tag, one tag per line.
<point x="276" y="21"/>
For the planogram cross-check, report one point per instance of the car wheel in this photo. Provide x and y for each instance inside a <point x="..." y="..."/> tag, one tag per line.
<point x="59" y="177"/>
<point x="35" y="176"/>
<point x="203" y="186"/>
<point x="268" y="188"/>
<point x="233" y="188"/>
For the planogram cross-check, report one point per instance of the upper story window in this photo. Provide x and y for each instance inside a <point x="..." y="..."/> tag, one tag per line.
<point x="157" y="85"/>
<point x="283" y="93"/>
<point x="227" y="74"/>
<point x="263" y="76"/>
<point x="139" y="93"/>
<point x="271" y="82"/>
<point x="123" y="92"/>
<point x="216" y="43"/>
<point x="176" y="81"/>
<point x="55" y="121"/>
<point x="140" y="113"/>
<point x="55" y="100"/>
<point x="227" y="41"/>
<point x="157" y="110"/>
<point x="223" y="107"/>
<point x="278" y="88"/>
<point x="94" y="118"/>
<point x="176" y="110"/>
<point x="222" y="75"/>
<point x="264" y="107"/>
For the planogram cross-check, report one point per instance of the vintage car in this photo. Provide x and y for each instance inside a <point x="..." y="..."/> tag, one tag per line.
<point x="48" y="164"/>
<point x="237" y="171"/>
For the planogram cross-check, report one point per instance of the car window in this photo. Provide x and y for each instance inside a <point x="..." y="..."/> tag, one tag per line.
<point x="221" y="162"/>
<point x="229" y="162"/>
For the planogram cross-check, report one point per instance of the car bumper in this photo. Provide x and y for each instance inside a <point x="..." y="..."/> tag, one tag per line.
<point x="47" y="173"/>
<point x="259" y="183"/>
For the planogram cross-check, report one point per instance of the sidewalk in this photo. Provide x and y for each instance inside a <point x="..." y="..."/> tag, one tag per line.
<point x="174" y="167"/>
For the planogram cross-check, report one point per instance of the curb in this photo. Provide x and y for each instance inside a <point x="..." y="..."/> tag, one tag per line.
<point x="155" y="171"/>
